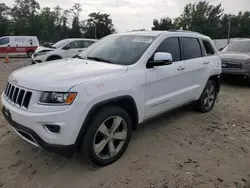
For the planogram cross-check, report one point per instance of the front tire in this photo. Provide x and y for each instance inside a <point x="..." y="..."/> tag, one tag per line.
<point x="208" y="97"/>
<point x="107" y="136"/>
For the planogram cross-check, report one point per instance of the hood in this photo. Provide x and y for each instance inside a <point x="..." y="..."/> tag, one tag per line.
<point x="238" y="56"/>
<point x="61" y="75"/>
<point x="41" y="48"/>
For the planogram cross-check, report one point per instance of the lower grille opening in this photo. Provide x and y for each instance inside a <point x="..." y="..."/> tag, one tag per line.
<point x="27" y="136"/>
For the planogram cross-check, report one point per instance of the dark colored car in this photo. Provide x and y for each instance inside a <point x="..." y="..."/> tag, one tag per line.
<point x="236" y="58"/>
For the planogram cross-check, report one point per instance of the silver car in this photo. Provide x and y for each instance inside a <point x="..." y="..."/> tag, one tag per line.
<point x="236" y="58"/>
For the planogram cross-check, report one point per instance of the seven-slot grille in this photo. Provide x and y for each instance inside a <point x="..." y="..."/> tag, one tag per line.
<point x="17" y="96"/>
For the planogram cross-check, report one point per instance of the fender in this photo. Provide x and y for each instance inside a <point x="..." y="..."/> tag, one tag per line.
<point x="57" y="56"/>
<point x="96" y="107"/>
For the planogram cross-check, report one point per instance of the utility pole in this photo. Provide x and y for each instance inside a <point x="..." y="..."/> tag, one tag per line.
<point x="95" y="30"/>
<point x="229" y="31"/>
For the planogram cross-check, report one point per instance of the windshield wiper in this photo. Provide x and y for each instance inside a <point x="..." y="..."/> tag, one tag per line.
<point x="100" y="59"/>
<point x="77" y="56"/>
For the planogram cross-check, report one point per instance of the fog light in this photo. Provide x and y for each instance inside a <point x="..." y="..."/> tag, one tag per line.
<point x="53" y="129"/>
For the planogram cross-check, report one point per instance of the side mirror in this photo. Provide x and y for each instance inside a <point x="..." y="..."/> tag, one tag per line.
<point x="160" y="59"/>
<point x="67" y="47"/>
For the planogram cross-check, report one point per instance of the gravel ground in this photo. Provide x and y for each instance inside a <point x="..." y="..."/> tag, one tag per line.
<point x="179" y="149"/>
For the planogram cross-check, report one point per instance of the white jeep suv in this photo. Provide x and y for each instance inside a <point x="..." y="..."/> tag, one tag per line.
<point x="92" y="103"/>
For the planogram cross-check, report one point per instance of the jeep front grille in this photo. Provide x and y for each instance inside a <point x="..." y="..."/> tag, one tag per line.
<point x="17" y="96"/>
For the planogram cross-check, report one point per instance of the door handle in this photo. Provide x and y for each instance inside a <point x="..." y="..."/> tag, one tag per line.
<point x="206" y="62"/>
<point x="79" y="50"/>
<point x="181" y="68"/>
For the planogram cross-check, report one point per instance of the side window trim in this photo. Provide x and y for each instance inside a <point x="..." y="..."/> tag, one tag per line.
<point x="201" y="49"/>
<point x="182" y="49"/>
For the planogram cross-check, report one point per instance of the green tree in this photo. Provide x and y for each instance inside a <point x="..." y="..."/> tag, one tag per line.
<point x="25" y="20"/>
<point x="65" y="29"/>
<point x="50" y="20"/>
<point x="201" y="17"/>
<point x="97" y="24"/>
<point x="163" y="24"/>
<point x="76" y="10"/>
<point x="4" y="20"/>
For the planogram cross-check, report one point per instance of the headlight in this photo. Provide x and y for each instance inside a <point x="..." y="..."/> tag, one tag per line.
<point x="63" y="98"/>
<point x="42" y="53"/>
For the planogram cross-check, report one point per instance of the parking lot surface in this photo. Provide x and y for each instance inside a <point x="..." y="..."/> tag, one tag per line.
<point x="183" y="148"/>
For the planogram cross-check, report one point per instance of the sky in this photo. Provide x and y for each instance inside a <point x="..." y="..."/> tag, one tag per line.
<point x="138" y="14"/>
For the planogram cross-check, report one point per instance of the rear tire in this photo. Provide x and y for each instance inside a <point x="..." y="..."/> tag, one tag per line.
<point x="107" y="136"/>
<point x="30" y="53"/>
<point x="208" y="98"/>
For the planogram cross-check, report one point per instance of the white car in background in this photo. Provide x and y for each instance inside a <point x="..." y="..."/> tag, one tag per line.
<point x="65" y="48"/>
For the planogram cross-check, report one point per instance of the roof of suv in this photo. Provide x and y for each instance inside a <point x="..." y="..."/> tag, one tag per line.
<point x="157" y="33"/>
<point x="71" y="39"/>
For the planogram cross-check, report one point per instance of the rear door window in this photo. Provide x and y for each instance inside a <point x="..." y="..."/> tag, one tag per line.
<point x="191" y="48"/>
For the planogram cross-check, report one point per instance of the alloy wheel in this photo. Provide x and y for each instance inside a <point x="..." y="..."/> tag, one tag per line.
<point x="110" y="137"/>
<point x="210" y="96"/>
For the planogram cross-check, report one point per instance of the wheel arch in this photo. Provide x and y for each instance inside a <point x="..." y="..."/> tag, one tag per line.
<point x="216" y="78"/>
<point x="125" y="102"/>
<point x="57" y="56"/>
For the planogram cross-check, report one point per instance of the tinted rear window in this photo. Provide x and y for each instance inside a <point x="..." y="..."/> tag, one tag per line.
<point x="191" y="48"/>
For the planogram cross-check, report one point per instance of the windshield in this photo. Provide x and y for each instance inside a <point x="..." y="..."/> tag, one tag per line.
<point x="60" y="43"/>
<point x="4" y="41"/>
<point x="118" y="49"/>
<point x="239" y="46"/>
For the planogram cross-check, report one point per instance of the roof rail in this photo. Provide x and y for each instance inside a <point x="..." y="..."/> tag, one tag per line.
<point x="180" y="30"/>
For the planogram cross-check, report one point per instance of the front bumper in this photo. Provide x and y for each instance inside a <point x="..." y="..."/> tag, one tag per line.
<point x="32" y="121"/>
<point x="245" y="71"/>
<point x="32" y="137"/>
<point x="35" y="62"/>
<point x="38" y="59"/>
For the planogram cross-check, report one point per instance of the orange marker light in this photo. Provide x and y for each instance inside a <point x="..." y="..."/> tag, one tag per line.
<point x="71" y="98"/>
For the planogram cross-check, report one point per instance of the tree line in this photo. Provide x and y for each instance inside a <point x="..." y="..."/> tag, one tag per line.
<point x="207" y="19"/>
<point x="26" y="17"/>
